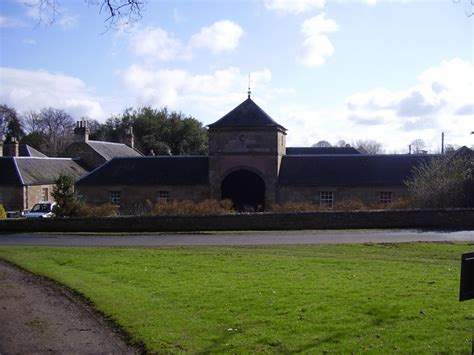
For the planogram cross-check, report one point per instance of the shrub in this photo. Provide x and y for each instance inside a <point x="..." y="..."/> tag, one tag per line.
<point x="188" y="207"/>
<point x="105" y="210"/>
<point x="288" y="207"/>
<point x="3" y="213"/>
<point x="446" y="181"/>
<point x="350" y="205"/>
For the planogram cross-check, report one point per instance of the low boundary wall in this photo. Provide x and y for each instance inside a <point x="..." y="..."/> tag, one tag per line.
<point x="420" y="219"/>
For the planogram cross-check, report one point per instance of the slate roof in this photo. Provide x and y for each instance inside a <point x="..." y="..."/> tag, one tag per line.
<point x="37" y="171"/>
<point x="112" y="150"/>
<point x="24" y="150"/>
<point x="348" y="170"/>
<point x="320" y="150"/>
<point x="247" y="114"/>
<point x="159" y="170"/>
<point x="8" y="172"/>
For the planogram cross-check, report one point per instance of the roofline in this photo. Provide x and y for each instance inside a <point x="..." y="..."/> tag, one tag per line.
<point x="18" y="171"/>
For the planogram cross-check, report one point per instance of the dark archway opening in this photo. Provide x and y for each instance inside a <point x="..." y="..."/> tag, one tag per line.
<point x="246" y="190"/>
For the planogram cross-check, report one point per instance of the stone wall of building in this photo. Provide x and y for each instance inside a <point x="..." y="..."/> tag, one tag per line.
<point x="132" y="197"/>
<point x="86" y="153"/>
<point x="37" y="193"/>
<point x="256" y="150"/>
<point x="367" y="194"/>
<point x="11" y="197"/>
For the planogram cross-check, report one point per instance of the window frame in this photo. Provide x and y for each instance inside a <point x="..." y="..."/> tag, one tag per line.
<point x="115" y="197"/>
<point x="164" y="196"/>
<point x="385" y="197"/>
<point x="326" y="199"/>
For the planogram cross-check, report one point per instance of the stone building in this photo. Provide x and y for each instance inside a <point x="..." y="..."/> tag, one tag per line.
<point x="25" y="181"/>
<point x="95" y="153"/>
<point x="249" y="163"/>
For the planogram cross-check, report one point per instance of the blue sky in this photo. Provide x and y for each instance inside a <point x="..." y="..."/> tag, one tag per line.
<point x="393" y="71"/>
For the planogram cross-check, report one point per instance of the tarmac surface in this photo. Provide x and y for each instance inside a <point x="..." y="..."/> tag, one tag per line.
<point x="236" y="238"/>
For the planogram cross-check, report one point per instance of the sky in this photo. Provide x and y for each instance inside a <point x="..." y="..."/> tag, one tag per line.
<point x="391" y="71"/>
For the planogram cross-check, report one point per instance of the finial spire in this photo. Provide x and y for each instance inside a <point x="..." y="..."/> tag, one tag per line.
<point x="249" y="92"/>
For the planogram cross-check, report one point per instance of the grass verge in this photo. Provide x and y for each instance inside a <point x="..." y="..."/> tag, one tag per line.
<point x="337" y="298"/>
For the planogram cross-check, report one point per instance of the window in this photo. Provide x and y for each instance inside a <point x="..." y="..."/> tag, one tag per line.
<point x="44" y="194"/>
<point x="1" y="198"/>
<point x="115" y="197"/>
<point x="326" y="199"/>
<point x="385" y="197"/>
<point x="163" y="196"/>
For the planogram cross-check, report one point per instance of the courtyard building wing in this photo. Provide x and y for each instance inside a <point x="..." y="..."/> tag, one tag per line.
<point x="348" y="170"/>
<point x="147" y="171"/>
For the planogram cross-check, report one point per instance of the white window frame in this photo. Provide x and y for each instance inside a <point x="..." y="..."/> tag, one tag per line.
<point x="164" y="195"/>
<point x="115" y="197"/>
<point x="385" y="197"/>
<point x="44" y="194"/>
<point x="326" y="199"/>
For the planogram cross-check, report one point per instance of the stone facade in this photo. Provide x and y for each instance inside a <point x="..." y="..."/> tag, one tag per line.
<point x="259" y="151"/>
<point x="132" y="198"/>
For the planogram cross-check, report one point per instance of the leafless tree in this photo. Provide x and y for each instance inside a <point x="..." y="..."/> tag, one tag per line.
<point x="368" y="146"/>
<point x="117" y="12"/>
<point x="445" y="181"/>
<point x="469" y="13"/>
<point x="322" y="144"/>
<point x="418" y="146"/>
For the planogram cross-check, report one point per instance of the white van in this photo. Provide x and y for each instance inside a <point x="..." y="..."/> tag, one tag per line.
<point x="42" y="209"/>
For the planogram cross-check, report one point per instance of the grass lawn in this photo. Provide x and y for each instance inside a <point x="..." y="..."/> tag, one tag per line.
<point x="376" y="298"/>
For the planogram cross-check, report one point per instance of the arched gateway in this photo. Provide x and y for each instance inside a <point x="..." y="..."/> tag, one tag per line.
<point x="246" y="190"/>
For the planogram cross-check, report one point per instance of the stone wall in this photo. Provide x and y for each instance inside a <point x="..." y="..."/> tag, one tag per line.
<point x="366" y="194"/>
<point x="11" y="197"/>
<point x="34" y="194"/>
<point x="134" y="197"/>
<point x="87" y="154"/>
<point x="420" y="219"/>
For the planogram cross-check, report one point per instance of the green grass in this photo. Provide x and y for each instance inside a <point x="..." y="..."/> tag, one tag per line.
<point x="372" y="298"/>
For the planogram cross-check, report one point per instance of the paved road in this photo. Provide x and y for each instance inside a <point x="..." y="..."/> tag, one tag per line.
<point x="253" y="238"/>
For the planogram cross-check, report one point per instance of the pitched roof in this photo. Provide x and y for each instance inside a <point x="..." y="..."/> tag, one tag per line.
<point x="159" y="170"/>
<point x="320" y="150"/>
<point x="24" y="150"/>
<point x="247" y="114"/>
<point x="348" y="170"/>
<point x="38" y="171"/>
<point x="9" y="173"/>
<point x="112" y="150"/>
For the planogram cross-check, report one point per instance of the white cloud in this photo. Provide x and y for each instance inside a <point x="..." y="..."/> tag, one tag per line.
<point x="10" y="22"/>
<point x="67" y="22"/>
<point x="33" y="90"/>
<point x="219" y="37"/>
<point x="211" y="93"/>
<point x="155" y="44"/>
<point x="441" y="100"/>
<point x="293" y="6"/>
<point x="30" y="42"/>
<point x="316" y="46"/>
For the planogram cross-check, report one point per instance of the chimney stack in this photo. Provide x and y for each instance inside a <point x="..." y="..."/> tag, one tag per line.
<point x="1" y="149"/>
<point x="12" y="148"/>
<point x="129" y="137"/>
<point x="81" y="132"/>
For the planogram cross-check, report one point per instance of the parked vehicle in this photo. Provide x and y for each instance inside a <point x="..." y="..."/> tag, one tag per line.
<point x="42" y="209"/>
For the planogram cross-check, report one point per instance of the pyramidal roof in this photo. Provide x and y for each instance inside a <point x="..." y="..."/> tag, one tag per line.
<point x="247" y="114"/>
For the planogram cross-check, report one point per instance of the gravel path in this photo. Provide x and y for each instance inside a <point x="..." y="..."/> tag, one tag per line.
<point x="37" y="316"/>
